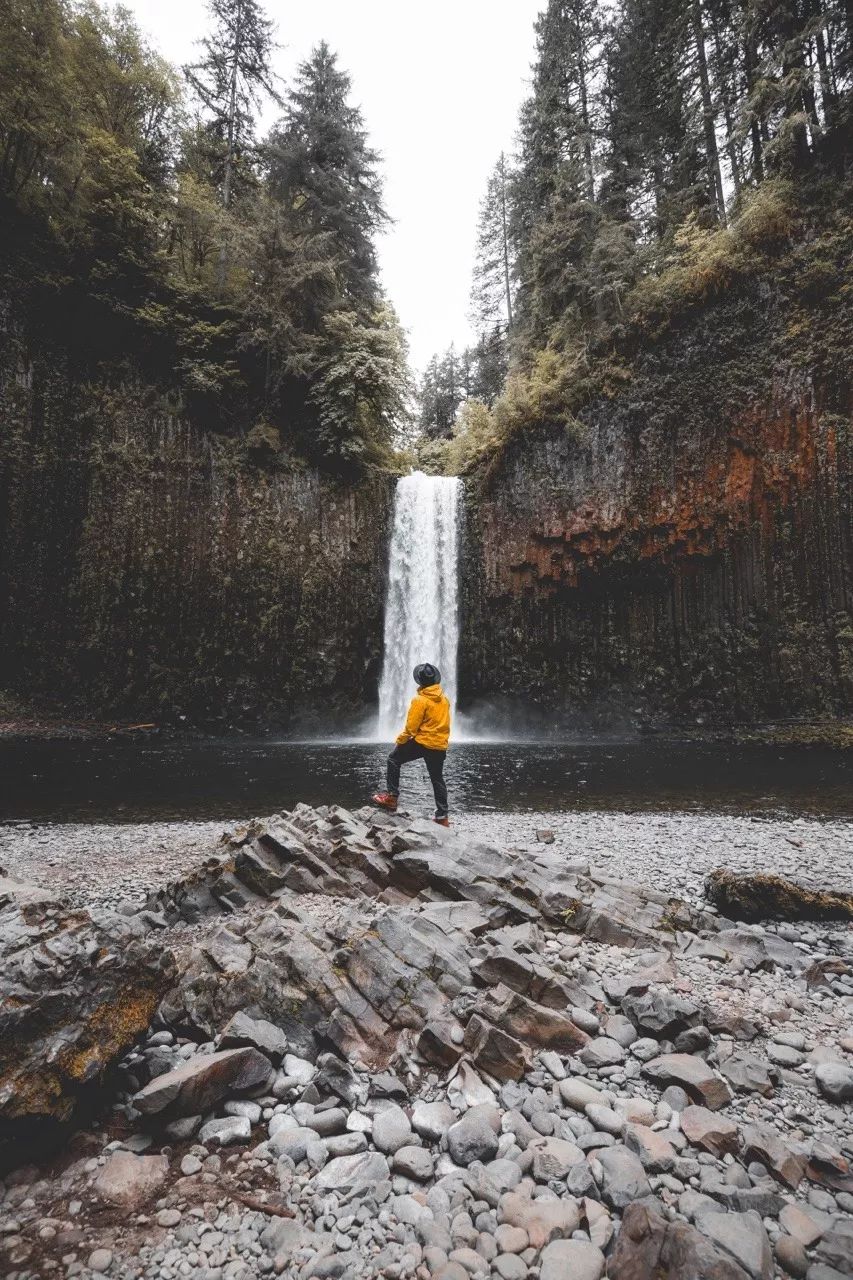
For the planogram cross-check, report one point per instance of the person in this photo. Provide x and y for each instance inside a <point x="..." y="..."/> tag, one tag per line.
<point x="425" y="737"/>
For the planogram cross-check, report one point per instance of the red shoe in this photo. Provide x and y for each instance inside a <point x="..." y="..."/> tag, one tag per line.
<point x="386" y="801"/>
<point x="442" y="822"/>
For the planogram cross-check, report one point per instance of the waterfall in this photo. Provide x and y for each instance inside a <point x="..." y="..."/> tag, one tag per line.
<point x="422" y="608"/>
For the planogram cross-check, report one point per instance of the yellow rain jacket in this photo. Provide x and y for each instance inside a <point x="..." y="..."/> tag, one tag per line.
<point x="428" y="721"/>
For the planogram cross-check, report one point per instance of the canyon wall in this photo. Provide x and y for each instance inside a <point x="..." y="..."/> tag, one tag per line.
<point x="151" y="570"/>
<point x="684" y="550"/>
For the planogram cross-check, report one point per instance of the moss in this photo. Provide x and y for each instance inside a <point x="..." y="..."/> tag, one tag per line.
<point x="763" y="897"/>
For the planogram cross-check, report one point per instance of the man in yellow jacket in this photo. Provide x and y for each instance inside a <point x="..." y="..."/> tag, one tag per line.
<point x="425" y="737"/>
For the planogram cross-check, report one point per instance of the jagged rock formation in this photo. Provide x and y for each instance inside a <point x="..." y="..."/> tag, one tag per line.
<point x="449" y="960"/>
<point x="685" y="548"/>
<point x="432" y="1056"/>
<point x="76" y="992"/>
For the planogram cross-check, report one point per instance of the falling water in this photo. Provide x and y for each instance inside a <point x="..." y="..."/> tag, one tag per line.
<point x="422" y="609"/>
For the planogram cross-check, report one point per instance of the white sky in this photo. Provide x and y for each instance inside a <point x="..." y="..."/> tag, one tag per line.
<point x="440" y="84"/>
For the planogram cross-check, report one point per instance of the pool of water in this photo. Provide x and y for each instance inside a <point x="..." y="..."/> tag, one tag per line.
<point x="116" y="781"/>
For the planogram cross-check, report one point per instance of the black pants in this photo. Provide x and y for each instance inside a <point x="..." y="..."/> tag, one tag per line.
<point x="412" y="750"/>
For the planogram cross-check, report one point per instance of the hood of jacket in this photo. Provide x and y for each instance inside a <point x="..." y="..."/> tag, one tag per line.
<point x="432" y="691"/>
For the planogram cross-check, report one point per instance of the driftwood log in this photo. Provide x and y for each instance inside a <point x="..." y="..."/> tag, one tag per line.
<point x="763" y="897"/>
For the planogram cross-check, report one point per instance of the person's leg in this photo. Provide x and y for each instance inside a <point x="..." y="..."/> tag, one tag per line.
<point x="435" y="768"/>
<point x="402" y="754"/>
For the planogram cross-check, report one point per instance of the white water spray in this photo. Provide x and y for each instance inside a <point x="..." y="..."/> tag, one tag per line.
<point x="422" y="609"/>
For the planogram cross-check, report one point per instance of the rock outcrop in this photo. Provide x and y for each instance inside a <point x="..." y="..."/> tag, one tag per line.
<point x="682" y="549"/>
<point x="76" y="992"/>
<point x="769" y="897"/>
<point x="152" y="567"/>
<point x="390" y="1050"/>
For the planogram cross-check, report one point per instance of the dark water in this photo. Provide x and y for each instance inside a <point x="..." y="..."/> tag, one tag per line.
<point x="147" y="781"/>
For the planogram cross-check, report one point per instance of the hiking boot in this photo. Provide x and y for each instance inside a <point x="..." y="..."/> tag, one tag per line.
<point x="442" y="822"/>
<point x="385" y="801"/>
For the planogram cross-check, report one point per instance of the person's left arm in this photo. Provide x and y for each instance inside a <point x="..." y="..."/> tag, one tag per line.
<point x="414" y="720"/>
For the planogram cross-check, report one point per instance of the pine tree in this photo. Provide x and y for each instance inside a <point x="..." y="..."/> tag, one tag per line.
<point x="321" y="167"/>
<point x="491" y="292"/>
<point x="230" y="81"/>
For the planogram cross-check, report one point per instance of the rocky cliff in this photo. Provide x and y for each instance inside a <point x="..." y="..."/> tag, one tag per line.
<point x="152" y="569"/>
<point x="683" y="549"/>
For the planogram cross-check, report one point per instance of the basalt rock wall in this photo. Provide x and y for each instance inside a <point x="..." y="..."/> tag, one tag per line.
<point x="150" y="569"/>
<point x="685" y="549"/>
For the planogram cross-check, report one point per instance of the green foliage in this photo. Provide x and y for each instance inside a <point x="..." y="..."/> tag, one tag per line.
<point x="247" y="273"/>
<point x="361" y="385"/>
<point x="671" y="152"/>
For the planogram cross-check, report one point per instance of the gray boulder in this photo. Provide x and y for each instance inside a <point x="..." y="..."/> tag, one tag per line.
<point x="835" y="1081"/>
<point x="472" y="1138"/>
<point x="256" y="1033"/>
<point x="742" y="1235"/>
<point x="202" y="1082"/>
<point x="623" y="1177"/>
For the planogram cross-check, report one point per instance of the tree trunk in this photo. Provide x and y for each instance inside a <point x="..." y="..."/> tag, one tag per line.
<point x="229" y="154"/>
<point x="715" y="177"/>
<point x="826" y="91"/>
<point x="505" y="243"/>
<point x="749" y="59"/>
<point x="723" y="90"/>
<point x="587" y="133"/>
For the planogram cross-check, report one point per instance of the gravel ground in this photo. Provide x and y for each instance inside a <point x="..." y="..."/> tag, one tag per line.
<point x="103" y="863"/>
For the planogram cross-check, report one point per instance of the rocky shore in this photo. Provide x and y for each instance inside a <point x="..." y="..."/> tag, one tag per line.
<point x="106" y="863"/>
<point x="355" y="1045"/>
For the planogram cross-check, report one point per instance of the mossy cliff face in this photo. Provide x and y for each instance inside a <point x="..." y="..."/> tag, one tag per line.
<point x="685" y="550"/>
<point x="150" y="569"/>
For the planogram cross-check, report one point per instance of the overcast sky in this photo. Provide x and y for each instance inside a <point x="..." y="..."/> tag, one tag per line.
<point x="440" y="84"/>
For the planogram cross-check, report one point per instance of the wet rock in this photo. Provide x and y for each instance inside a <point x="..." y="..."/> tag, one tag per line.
<point x="202" y="1082"/>
<point x="129" y="1181"/>
<point x="649" y="1245"/>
